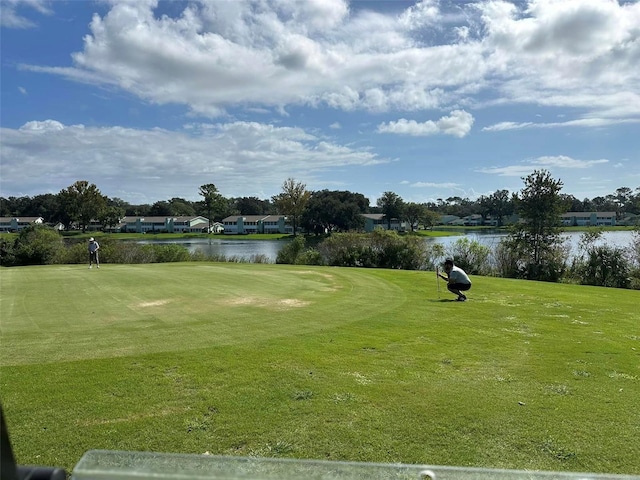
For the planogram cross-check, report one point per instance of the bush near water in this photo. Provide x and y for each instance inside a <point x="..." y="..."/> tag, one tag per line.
<point x="595" y="264"/>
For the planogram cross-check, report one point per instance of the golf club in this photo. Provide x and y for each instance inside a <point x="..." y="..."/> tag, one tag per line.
<point x="438" y="281"/>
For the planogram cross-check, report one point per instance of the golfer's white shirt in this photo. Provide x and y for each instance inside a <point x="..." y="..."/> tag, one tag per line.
<point x="457" y="275"/>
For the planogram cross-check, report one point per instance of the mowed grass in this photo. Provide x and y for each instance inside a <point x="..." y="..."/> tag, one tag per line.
<point x="319" y="363"/>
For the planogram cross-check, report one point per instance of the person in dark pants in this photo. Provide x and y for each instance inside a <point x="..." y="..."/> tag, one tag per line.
<point x="93" y="252"/>
<point x="457" y="280"/>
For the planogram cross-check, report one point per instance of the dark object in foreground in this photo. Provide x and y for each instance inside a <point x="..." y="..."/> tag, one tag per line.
<point x="10" y="471"/>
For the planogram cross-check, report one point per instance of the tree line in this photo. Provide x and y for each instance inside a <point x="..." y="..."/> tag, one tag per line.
<point x="315" y="211"/>
<point x="534" y="249"/>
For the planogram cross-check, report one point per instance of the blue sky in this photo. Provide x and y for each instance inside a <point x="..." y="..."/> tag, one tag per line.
<point x="434" y="99"/>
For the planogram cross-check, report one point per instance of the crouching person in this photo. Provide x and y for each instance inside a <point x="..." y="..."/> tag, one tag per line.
<point x="457" y="280"/>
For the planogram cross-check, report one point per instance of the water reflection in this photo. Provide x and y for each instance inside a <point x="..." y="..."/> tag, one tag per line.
<point x="268" y="249"/>
<point x="617" y="238"/>
<point x="240" y="249"/>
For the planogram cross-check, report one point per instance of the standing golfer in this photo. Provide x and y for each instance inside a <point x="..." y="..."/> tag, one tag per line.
<point x="93" y="252"/>
<point x="457" y="280"/>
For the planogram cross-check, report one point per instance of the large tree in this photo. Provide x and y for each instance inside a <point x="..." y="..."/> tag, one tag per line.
<point x="459" y="206"/>
<point x="536" y="239"/>
<point x="624" y="198"/>
<point x="80" y="203"/>
<point x="160" y="209"/>
<point x="292" y="201"/>
<point x="214" y="203"/>
<point x="329" y="211"/>
<point x="499" y="204"/>
<point x="392" y="206"/>
<point x="634" y="206"/>
<point x="46" y="206"/>
<point x="415" y="213"/>
<point x="181" y="207"/>
<point x="111" y="216"/>
<point x="573" y="204"/>
<point x="252" y="206"/>
<point x="16" y="206"/>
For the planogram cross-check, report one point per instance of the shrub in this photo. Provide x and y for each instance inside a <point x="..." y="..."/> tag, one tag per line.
<point x="547" y="262"/>
<point x="125" y="252"/>
<point x="634" y="258"/>
<point x="394" y="251"/>
<point x="472" y="256"/>
<point x="601" y="265"/>
<point x="76" y="253"/>
<point x="604" y="266"/>
<point x="505" y="260"/>
<point x="37" y="245"/>
<point x="259" y="258"/>
<point x="290" y="252"/>
<point x="165" y="253"/>
<point x="435" y="252"/>
<point x="7" y="256"/>
<point x="311" y="256"/>
<point x="379" y="249"/>
<point x="344" y="249"/>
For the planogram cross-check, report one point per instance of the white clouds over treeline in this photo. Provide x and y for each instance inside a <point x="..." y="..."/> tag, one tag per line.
<point x="244" y="158"/>
<point x="315" y="89"/>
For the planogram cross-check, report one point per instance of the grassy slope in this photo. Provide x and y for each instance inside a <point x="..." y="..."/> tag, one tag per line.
<point x="327" y="363"/>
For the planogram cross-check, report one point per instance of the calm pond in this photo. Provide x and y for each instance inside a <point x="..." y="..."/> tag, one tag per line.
<point x="248" y="249"/>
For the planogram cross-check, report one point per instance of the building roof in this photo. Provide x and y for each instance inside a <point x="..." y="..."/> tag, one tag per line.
<point x="20" y="219"/>
<point x="254" y="218"/>
<point x="246" y="218"/>
<point x="160" y="219"/>
<point x="588" y="214"/>
<point x="377" y="216"/>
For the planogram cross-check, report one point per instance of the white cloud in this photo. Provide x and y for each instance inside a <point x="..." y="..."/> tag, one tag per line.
<point x="623" y="111"/>
<point x="242" y="158"/>
<point x="217" y="55"/>
<point x="498" y="127"/>
<point x="563" y="161"/>
<point x="458" y="124"/>
<point x="12" y="16"/>
<point x="434" y="185"/>
<point x="509" y="171"/>
<point x="544" y="162"/>
<point x="424" y="13"/>
<point x="564" y="50"/>
<point x="47" y="125"/>
<point x="22" y="90"/>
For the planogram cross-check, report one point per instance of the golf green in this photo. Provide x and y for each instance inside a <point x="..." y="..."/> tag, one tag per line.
<point x="319" y="362"/>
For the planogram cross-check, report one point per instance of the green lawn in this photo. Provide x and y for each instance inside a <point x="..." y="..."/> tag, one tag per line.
<point x="318" y="362"/>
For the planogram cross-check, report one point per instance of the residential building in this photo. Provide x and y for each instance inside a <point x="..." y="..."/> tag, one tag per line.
<point x="246" y="224"/>
<point x="164" y="224"/>
<point x="588" y="219"/>
<point x="217" y="227"/>
<point x="448" y="219"/>
<point x="15" y="224"/>
<point x="373" y="221"/>
<point x="473" y="220"/>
